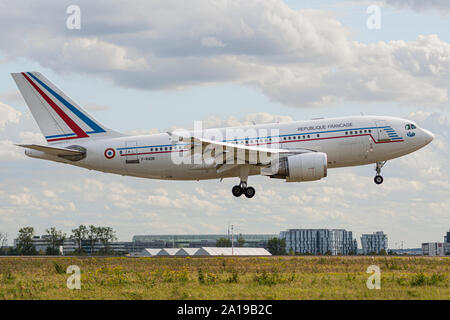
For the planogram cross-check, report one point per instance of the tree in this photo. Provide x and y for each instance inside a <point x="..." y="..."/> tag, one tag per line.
<point x="92" y="236"/>
<point x="106" y="235"/>
<point x="223" y="243"/>
<point x="3" y="243"/>
<point x="79" y="235"/>
<point x="54" y="239"/>
<point x="25" y="244"/>
<point x="240" y="241"/>
<point x="276" y="247"/>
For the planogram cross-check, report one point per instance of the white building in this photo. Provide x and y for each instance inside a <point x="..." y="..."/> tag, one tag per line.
<point x="168" y="251"/>
<point x="214" y="251"/>
<point x="374" y="243"/>
<point x="435" y="248"/>
<point x="187" y="251"/>
<point x="148" y="253"/>
<point x="205" y="251"/>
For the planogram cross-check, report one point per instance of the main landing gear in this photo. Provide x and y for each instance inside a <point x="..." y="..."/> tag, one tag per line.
<point x="242" y="188"/>
<point x="378" y="178"/>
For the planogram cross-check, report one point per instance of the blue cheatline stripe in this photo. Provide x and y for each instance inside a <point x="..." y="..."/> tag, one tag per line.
<point x="145" y="147"/>
<point x="293" y="134"/>
<point x="60" y="135"/>
<point x="78" y="113"/>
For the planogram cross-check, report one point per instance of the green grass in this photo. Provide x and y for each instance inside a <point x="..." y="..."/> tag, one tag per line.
<point x="225" y="278"/>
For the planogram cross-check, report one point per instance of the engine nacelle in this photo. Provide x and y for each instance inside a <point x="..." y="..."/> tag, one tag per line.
<point x="301" y="167"/>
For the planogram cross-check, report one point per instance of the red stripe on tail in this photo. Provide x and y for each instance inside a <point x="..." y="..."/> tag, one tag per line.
<point x="72" y="125"/>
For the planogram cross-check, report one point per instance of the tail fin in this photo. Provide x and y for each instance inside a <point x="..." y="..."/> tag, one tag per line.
<point x="59" y="117"/>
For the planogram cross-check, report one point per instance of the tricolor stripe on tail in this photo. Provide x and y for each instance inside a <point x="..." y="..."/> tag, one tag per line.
<point x="58" y="116"/>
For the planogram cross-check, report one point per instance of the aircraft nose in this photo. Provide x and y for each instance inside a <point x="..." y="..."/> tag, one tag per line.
<point x="428" y="136"/>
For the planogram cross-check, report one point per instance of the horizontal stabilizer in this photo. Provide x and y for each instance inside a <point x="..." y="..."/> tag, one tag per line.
<point x="61" y="152"/>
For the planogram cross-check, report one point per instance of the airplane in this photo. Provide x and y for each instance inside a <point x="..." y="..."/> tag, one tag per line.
<point x="295" y="151"/>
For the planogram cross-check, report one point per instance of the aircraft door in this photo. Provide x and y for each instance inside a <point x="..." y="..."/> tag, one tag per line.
<point x="381" y="132"/>
<point x="131" y="156"/>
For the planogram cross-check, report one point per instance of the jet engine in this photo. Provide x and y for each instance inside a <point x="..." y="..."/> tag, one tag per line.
<point x="300" y="167"/>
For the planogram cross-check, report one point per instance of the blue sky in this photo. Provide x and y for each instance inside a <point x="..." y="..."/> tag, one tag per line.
<point x="278" y="70"/>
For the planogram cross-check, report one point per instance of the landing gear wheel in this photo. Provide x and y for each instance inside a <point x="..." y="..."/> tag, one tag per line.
<point x="378" y="179"/>
<point x="249" y="192"/>
<point x="237" y="191"/>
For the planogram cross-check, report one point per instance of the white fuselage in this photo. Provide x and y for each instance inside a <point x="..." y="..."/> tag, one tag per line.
<point x="347" y="141"/>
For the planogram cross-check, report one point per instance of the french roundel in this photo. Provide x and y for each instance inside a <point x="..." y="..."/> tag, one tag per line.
<point x="110" y="153"/>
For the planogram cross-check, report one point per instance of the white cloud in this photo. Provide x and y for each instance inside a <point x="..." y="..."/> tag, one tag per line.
<point x="301" y="58"/>
<point x="212" y="42"/>
<point x="12" y="96"/>
<point x="296" y="57"/>
<point x="8" y="115"/>
<point x="249" y="119"/>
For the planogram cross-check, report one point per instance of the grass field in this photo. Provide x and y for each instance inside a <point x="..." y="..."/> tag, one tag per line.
<point x="225" y="278"/>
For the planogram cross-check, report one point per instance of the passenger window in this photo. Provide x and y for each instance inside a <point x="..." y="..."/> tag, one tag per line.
<point x="308" y="136"/>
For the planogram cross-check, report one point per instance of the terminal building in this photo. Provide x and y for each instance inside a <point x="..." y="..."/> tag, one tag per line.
<point x="374" y="243"/>
<point x="141" y="242"/>
<point x="202" y="240"/>
<point x="320" y="241"/>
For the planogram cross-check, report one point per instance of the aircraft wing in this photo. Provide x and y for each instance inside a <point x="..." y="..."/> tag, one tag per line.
<point x="239" y="151"/>
<point x="52" y="150"/>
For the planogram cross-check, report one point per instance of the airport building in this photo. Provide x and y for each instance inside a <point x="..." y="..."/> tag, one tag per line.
<point x="202" y="252"/>
<point x="141" y="242"/>
<point x="320" y="241"/>
<point x="433" y="249"/>
<point x="70" y="246"/>
<point x="437" y="248"/>
<point x="203" y="240"/>
<point x="374" y="243"/>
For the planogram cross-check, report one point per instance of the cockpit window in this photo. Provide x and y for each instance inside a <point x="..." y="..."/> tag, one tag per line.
<point x="413" y="126"/>
<point x="408" y="127"/>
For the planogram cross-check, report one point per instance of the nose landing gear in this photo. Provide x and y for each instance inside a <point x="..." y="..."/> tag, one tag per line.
<point x="378" y="178"/>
